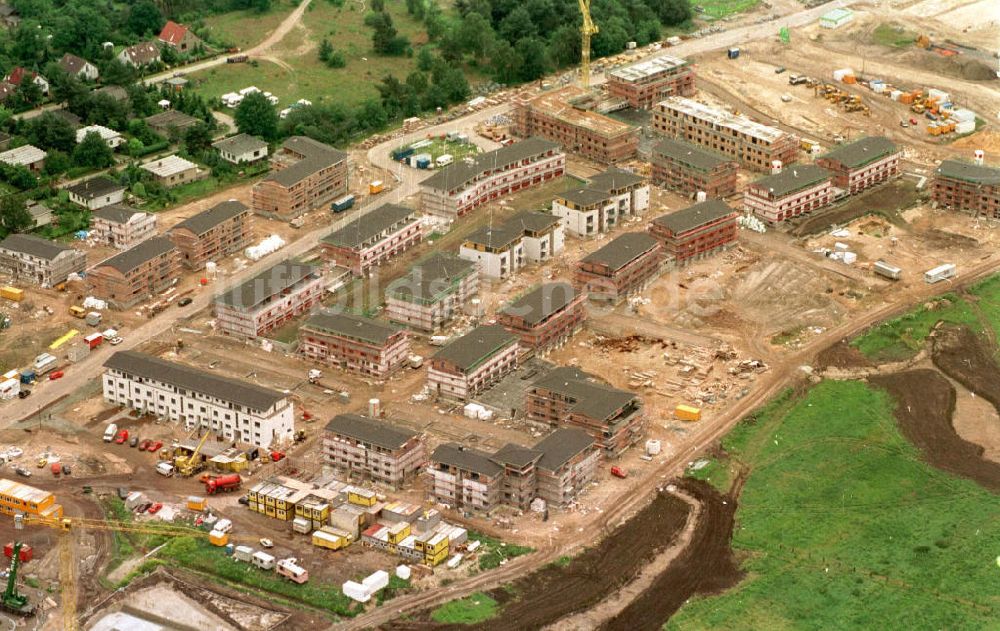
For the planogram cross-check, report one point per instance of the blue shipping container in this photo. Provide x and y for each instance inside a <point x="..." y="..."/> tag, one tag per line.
<point x="342" y="204"/>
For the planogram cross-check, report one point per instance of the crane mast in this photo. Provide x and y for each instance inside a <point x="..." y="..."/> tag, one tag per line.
<point x="587" y="29"/>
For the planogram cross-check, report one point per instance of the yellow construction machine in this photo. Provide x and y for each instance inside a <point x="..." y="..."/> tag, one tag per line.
<point x="187" y="466"/>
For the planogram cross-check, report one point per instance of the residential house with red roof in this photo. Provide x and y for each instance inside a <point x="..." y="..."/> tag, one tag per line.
<point x="179" y="37"/>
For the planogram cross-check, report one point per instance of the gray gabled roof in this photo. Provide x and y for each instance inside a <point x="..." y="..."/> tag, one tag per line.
<point x="862" y="152"/>
<point x="615" y="179"/>
<point x="368" y="430"/>
<point x="95" y="187"/>
<point x="189" y="378"/>
<point x="585" y="196"/>
<point x="969" y="172"/>
<point x="561" y="446"/>
<point x="622" y="250"/>
<point x="138" y="254"/>
<point x="467" y="458"/>
<point x="516" y="455"/>
<point x="793" y="178"/>
<point x="476" y="346"/>
<point x="371" y="225"/>
<point x="116" y="213"/>
<point x="688" y="154"/>
<point x="317" y="156"/>
<point x="590" y="397"/>
<point x="267" y="284"/>
<point x="354" y="326"/>
<point x="33" y="246"/>
<point x="208" y="219"/>
<point x="532" y="221"/>
<point x="239" y="144"/>
<point x="432" y="278"/>
<point x="541" y="302"/>
<point x="497" y="237"/>
<point x="458" y="174"/>
<point x="694" y="216"/>
<point x="72" y="64"/>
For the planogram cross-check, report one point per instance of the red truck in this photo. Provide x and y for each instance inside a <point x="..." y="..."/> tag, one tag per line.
<point x="619" y="472"/>
<point x="223" y="483"/>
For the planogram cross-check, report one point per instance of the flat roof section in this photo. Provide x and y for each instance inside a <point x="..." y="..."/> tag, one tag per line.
<point x="647" y="68"/>
<point x="557" y="104"/>
<point x="267" y="284"/>
<point x="721" y="118"/>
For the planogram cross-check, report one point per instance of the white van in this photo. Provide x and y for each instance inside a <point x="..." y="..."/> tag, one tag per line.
<point x="224" y="525"/>
<point x="110" y="432"/>
<point x="165" y="469"/>
<point x="444" y="160"/>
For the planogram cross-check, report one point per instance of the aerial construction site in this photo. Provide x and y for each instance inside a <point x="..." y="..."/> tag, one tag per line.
<point x="667" y="334"/>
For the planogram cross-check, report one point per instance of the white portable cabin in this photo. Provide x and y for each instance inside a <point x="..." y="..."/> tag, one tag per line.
<point x="243" y="553"/>
<point x="290" y="570"/>
<point x="940" y="273"/>
<point x="263" y="560"/>
<point x="889" y="271"/>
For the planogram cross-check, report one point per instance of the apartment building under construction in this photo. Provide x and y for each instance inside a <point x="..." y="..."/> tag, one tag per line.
<point x="649" y="81"/>
<point x="968" y="186"/>
<point x="753" y="145"/>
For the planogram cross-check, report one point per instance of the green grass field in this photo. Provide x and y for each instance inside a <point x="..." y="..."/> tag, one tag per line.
<point x="246" y="29"/>
<point x="297" y="73"/>
<point x="893" y="36"/>
<point x="841" y="525"/>
<point x="716" y="9"/>
<point x="473" y="609"/>
<point x="988" y="294"/>
<point x="903" y="337"/>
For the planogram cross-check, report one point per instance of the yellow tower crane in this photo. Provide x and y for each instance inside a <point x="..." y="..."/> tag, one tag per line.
<point x="67" y="561"/>
<point x="587" y="29"/>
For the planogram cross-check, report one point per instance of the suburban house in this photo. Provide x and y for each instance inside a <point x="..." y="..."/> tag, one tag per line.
<point x="528" y="237"/>
<point x="566" y="396"/>
<point x="173" y="171"/>
<point x="556" y="469"/>
<point x="433" y="293"/>
<point x="171" y="122"/>
<point x="212" y="234"/>
<point x="374" y="449"/>
<point x="96" y="192"/>
<point x="27" y="156"/>
<point x="623" y="266"/>
<point x="305" y="174"/>
<point x="863" y="163"/>
<point x="19" y="74"/>
<point x="545" y="317"/>
<point x="30" y="259"/>
<point x="232" y="408"/>
<point x="9" y="17"/>
<point x="696" y="231"/>
<point x="463" y="186"/>
<point x="241" y="149"/>
<point x="473" y="362"/>
<point x="597" y="208"/>
<point x="268" y="300"/>
<point x="178" y="37"/>
<point x="121" y="227"/>
<point x="355" y="343"/>
<point x="140" y="55"/>
<point x="112" y="138"/>
<point x="373" y="239"/>
<point x="41" y="215"/>
<point x="789" y="192"/>
<point x="139" y="273"/>
<point x="79" y="67"/>
<point x="691" y="169"/>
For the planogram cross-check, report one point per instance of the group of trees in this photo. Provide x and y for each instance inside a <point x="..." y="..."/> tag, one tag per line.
<point x="332" y="57"/>
<point x="386" y="40"/>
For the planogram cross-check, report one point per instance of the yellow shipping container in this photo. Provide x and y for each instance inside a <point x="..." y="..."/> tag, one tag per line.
<point x="217" y="538"/>
<point x="376" y="187"/>
<point x="196" y="503"/>
<point x="687" y="413"/>
<point x="327" y="538"/>
<point x="12" y="293"/>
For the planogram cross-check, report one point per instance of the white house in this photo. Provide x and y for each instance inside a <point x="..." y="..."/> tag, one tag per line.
<point x="109" y="136"/>
<point x="79" y="67"/>
<point x="241" y="149"/>
<point x="234" y="410"/>
<point x="96" y="193"/>
<point x="597" y="208"/>
<point x="528" y="237"/>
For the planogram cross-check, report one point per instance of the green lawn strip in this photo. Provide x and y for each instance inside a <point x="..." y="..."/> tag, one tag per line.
<point x="203" y="557"/>
<point x="893" y="36"/>
<point x="246" y="28"/>
<point x="902" y="337"/>
<point x="472" y="609"/>
<point x="717" y="9"/>
<point x="988" y="293"/>
<point x="842" y="525"/>
<point x="493" y="551"/>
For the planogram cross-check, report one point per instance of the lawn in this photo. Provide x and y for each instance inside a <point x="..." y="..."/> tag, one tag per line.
<point x="903" y="337"/>
<point x="988" y="293"/>
<point x="246" y="29"/>
<point x="473" y="609"/>
<point x="716" y="9"/>
<point x="841" y="525"/>
<point x="493" y="551"/>
<point x="296" y="71"/>
<point x="893" y="35"/>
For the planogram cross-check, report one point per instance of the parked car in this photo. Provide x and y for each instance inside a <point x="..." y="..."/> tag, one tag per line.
<point x="23" y="472"/>
<point x="183" y="302"/>
<point x="115" y="341"/>
<point x="66" y="469"/>
<point x="56" y="468"/>
<point x="144" y="444"/>
<point x="42" y="462"/>
<point x="58" y="374"/>
<point x="244" y="501"/>
<point x="266" y="543"/>
<point x="155" y="446"/>
<point x="133" y="441"/>
<point x="142" y="508"/>
<point x="155" y="508"/>
<point x="14" y="452"/>
<point x="24" y="394"/>
<point x="122" y="436"/>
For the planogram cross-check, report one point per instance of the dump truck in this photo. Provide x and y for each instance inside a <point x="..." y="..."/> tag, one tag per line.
<point x="223" y="483"/>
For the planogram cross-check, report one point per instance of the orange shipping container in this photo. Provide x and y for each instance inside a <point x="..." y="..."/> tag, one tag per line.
<point x="850" y="79"/>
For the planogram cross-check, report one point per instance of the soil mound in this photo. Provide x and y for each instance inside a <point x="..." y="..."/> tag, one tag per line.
<point x="842" y="355"/>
